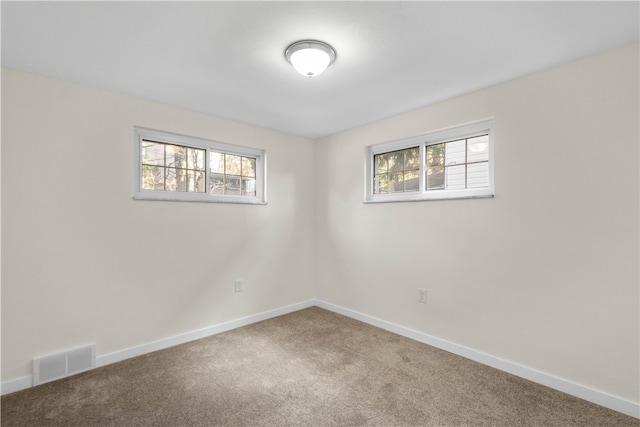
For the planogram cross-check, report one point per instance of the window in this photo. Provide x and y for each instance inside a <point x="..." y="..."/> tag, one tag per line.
<point x="175" y="167"/>
<point x="455" y="163"/>
<point x="232" y="174"/>
<point x="397" y="171"/>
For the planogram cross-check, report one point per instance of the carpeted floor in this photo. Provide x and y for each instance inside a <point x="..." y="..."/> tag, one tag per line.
<point x="309" y="368"/>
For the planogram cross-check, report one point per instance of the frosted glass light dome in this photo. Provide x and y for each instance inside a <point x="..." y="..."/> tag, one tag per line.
<point x="310" y="57"/>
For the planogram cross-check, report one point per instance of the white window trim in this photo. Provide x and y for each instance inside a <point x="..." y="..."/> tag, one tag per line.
<point x="422" y="141"/>
<point x="164" y="137"/>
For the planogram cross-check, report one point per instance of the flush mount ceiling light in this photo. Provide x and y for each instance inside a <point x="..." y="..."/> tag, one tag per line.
<point x="310" y="57"/>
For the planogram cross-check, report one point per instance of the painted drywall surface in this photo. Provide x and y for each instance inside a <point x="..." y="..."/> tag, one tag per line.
<point x="0" y="215"/>
<point x="83" y="262"/>
<point x="546" y="273"/>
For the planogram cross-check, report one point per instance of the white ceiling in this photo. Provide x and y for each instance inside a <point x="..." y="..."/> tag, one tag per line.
<point x="226" y="58"/>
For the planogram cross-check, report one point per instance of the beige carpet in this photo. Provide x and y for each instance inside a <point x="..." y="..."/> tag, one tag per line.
<point x="309" y="368"/>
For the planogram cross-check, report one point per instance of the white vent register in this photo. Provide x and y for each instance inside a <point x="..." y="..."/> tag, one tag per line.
<point x="62" y="365"/>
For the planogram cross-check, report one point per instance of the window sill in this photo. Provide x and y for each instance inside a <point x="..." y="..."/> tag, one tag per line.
<point x="421" y="197"/>
<point x="199" y="198"/>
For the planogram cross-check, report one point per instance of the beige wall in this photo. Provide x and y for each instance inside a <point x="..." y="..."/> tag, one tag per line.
<point x="83" y="262"/>
<point x="546" y="273"/>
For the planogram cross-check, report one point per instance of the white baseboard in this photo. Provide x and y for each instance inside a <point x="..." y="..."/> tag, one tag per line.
<point x="583" y="392"/>
<point x="17" y="384"/>
<point x="120" y="355"/>
<point x="595" y="396"/>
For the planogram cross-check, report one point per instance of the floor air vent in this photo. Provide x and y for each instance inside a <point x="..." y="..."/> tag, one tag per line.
<point x="62" y="365"/>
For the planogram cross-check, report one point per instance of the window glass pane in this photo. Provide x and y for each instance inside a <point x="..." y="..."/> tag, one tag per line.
<point x="181" y="184"/>
<point x="176" y="156"/>
<point x="478" y="149"/>
<point x="248" y="187"/>
<point x="195" y="158"/>
<point x="232" y="164"/>
<point x="195" y="181"/>
<point x="216" y="183"/>
<point x="396" y="182"/>
<point x="478" y="175"/>
<point x="152" y="153"/>
<point x="435" y="178"/>
<point x="396" y="161"/>
<point x="216" y="162"/>
<point x="381" y="184"/>
<point x="152" y="177"/>
<point x="170" y="179"/>
<point x="455" y="153"/>
<point x="412" y="159"/>
<point x="381" y="163"/>
<point x="181" y="179"/>
<point x="454" y="177"/>
<point x="412" y="181"/>
<point x="435" y="155"/>
<point x="249" y="167"/>
<point x="231" y="184"/>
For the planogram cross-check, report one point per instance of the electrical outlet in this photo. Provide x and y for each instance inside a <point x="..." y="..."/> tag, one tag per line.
<point x="422" y="295"/>
<point x="238" y="285"/>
